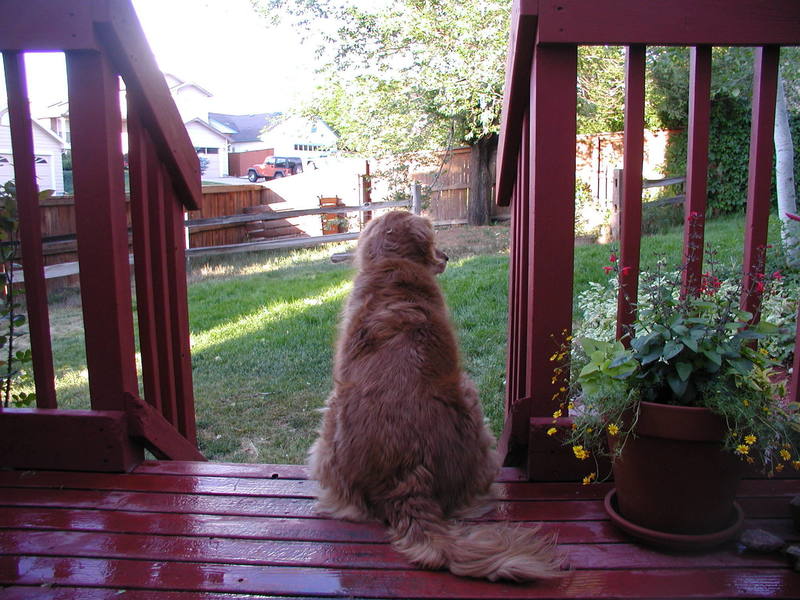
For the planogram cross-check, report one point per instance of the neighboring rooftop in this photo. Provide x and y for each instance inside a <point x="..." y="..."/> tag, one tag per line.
<point x="245" y="128"/>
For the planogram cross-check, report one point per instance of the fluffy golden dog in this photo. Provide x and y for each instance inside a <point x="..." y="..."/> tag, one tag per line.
<point x="403" y="438"/>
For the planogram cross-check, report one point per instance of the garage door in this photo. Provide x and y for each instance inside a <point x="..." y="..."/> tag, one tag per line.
<point x="6" y="168"/>
<point x="44" y="170"/>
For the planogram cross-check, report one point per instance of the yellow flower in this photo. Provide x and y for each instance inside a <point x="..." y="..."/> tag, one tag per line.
<point x="562" y="389"/>
<point x="785" y="454"/>
<point x="589" y="478"/>
<point x="742" y="449"/>
<point x="750" y="439"/>
<point x="750" y="460"/>
<point x="746" y="402"/>
<point x="557" y="414"/>
<point x="613" y="429"/>
<point x="779" y="467"/>
<point x="571" y="405"/>
<point x="552" y="358"/>
<point x="580" y="452"/>
<point x="796" y="465"/>
<point x="554" y="379"/>
<point x="552" y="431"/>
<point x="568" y="338"/>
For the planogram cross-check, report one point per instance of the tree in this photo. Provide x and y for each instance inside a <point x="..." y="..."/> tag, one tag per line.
<point x="784" y="176"/>
<point x="410" y="76"/>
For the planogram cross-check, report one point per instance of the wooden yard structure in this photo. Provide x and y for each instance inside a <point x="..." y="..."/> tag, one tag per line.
<point x="84" y="516"/>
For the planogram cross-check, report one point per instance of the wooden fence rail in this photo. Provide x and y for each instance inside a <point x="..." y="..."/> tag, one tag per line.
<point x="616" y="200"/>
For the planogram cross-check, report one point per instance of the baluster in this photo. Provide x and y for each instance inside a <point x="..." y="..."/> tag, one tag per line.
<point x="30" y="230"/>
<point x="765" y="85"/>
<point x="102" y="230"/>
<point x="631" y="208"/>
<point x="696" y="169"/>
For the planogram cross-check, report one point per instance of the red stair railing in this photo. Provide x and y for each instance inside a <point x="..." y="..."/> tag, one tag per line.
<point x="103" y="42"/>
<point x="536" y="173"/>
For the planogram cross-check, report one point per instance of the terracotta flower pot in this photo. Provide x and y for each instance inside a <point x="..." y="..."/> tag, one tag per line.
<point x="674" y="477"/>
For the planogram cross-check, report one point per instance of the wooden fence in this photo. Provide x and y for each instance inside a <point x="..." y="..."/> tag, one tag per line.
<point x="448" y="184"/>
<point x="617" y="196"/>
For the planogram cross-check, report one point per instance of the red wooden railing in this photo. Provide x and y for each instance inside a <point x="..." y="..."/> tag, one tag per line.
<point x="103" y="42"/>
<point x="536" y="163"/>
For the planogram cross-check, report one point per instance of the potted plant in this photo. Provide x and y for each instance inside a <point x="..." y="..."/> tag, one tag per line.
<point x="681" y="404"/>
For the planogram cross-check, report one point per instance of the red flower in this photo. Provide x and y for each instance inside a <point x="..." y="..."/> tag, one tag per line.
<point x="608" y="269"/>
<point x="760" y="286"/>
<point x="612" y="258"/>
<point x="777" y="275"/>
<point x="625" y="271"/>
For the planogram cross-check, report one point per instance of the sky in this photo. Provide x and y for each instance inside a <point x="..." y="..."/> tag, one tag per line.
<point x="249" y="65"/>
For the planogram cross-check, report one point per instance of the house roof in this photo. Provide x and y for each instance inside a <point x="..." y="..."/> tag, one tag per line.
<point x="175" y="83"/>
<point x="246" y="128"/>
<point x="209" y="127"/>
<point x="45" y="130"/>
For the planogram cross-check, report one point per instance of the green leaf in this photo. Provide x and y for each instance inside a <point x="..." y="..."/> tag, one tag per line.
<point x="690" y="343"/>
<point x="677" y="385"/>
<point x="684" y="370"/>
<point x="671" y="350"/>
<point x="713" y="357"/>
<point x="742" y="365"/>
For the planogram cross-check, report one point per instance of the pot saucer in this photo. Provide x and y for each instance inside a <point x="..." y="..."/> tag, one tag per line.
<point x="673" y="541"/>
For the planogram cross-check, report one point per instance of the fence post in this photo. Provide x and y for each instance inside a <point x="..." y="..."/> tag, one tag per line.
<point x="616" y="204"/>
<point x="416" y="198"/>
<point x="366" y="195"/>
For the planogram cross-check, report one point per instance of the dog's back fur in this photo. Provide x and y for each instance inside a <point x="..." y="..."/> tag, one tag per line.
<point x="403" y="438"/>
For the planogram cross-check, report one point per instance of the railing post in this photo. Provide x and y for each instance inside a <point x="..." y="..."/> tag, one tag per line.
<point x="30" y="229"/>
<point x="765" y="87"/>
<point x="102" y="229"/>
<point x="550" y="259"/>
<point x="694" y="207"/>
<point x="631" y="209"/>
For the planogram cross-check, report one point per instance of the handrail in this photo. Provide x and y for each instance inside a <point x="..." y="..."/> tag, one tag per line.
<point x="123" y="36"/>
<point x="538" y="174"/>
<point x="103" y="41"/>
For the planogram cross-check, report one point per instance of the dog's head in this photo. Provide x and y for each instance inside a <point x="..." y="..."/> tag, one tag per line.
<point x="399" y="234"/>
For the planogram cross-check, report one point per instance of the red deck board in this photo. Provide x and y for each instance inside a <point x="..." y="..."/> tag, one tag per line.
<point x="334" y="554"/>
<point x="255" y="579"/>
<point x="194" y="530"/>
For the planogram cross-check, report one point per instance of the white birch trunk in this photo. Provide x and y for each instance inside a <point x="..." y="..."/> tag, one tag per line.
<point x="784" y="175"/>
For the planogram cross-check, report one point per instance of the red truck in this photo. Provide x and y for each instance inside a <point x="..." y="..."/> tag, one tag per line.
<point x="275" y="166"/>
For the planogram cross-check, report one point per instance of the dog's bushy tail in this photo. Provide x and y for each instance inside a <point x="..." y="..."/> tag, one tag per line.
<point x="487" y="550"/>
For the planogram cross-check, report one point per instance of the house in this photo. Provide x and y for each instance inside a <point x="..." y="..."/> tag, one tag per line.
<point x="48" y="147"/>
<point x="245" y="130"/>
<point x="305" y="137"/>
<point x="257" y="136"/>
<point x="210" y="142"/>
<point x="192" y="102"/>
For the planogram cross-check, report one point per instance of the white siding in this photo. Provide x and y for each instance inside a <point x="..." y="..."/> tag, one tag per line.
<point x="47" y="149"/>
<point x="203" y="137"/>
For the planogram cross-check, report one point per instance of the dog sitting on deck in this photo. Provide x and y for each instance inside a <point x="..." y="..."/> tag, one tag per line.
<point x="403" y="438"/>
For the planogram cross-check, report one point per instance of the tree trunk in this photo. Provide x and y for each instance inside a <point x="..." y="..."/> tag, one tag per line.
<point x="482" y="158"/>
<point x="784" y="175"/>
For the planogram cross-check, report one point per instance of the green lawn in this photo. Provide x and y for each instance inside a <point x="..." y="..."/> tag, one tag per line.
<point x="263" y="328"/>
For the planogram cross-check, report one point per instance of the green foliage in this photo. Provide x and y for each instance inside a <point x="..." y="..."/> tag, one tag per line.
<point x="693" y="351"/>
<point x="406" y="76"/>
<point x="12" y="317"/>
<point x="601" y="89"/>
<point x="729" y="137"/>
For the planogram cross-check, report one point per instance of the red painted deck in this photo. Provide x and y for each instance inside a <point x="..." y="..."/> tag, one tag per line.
<point x="187" y="530"/>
